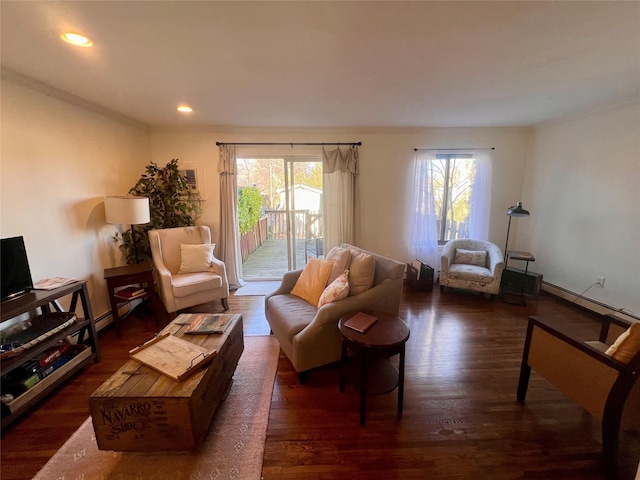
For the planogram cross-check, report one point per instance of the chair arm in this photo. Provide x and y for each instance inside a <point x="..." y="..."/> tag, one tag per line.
<point x="219" y="268"/>
<point x="575" y="343"/>
<point x="164" y="277"/>
<point x="447" y="256"/>
<point x="496" y="260"/>
<point x="609" y="320"/>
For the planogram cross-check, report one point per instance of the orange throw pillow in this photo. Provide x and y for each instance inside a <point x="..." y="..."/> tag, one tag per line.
<point x="312" y="280"/>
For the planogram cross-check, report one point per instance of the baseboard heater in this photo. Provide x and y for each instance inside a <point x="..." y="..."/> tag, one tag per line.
<point x="586" y="302"/>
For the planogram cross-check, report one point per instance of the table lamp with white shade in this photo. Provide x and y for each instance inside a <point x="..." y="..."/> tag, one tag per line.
<point x="128" y="210"/>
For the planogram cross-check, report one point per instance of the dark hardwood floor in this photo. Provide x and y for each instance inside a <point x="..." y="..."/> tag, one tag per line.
<point x="461" y="419"/>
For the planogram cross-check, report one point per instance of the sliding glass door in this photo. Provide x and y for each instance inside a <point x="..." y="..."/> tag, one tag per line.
<point x="289" y="227"/>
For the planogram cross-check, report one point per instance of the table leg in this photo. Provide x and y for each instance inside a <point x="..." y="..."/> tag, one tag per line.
<point x="343" y="359"/>
<point x="363" y="386"/>
<point x="401" y="381"/>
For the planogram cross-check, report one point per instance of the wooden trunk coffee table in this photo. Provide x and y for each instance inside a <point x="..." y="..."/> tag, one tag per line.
<point x="141" y="409"/>
<point x="385" y="338"/>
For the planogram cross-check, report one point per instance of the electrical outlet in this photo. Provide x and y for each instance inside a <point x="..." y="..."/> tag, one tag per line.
<point x="600" y="282"/>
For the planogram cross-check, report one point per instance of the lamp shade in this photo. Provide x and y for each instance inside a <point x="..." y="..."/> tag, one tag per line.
<point x="517" y="211"/>
<point x="127" y="210"/>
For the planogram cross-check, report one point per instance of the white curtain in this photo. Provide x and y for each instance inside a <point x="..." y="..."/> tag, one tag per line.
<point x="480" y="198"/>
<point x="339" y="199"/>
<point x="229" y="248"/>
<point x="424" y="233"/>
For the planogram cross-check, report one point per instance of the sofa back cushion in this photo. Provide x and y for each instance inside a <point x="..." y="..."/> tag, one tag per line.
<point x="362" y="271"/>
<point x="341" y="258"/>
<point x="471" y="257"/>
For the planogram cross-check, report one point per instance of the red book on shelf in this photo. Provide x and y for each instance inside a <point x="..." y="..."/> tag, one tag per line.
<point x="361" y="322"/>
<point x="130" y="292"/>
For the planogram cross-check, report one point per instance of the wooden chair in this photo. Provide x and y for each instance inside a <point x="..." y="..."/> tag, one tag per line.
<point x="597" y="382"/>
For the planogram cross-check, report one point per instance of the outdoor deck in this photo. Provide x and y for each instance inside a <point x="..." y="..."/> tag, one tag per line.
<point x="269" y="261"/>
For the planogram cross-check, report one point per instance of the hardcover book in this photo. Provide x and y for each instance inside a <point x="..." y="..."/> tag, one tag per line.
<point x="361" y="322"/>
<point x="130" y="292"/>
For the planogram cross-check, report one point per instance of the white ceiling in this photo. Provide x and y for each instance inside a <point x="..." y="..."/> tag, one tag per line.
<point x="332" y="64"/>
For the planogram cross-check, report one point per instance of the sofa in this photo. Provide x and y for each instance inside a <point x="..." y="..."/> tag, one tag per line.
<point x="471" y="264"/>
<point x="309" y="335"/>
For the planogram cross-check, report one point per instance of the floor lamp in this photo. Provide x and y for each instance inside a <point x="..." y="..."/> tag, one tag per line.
<point x="513" y="211"/>
<point x="128" y="211"/>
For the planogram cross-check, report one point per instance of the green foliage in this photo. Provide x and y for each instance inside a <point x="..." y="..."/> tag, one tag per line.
<point x="249" y="208"/>
<point x="171" y="204"/>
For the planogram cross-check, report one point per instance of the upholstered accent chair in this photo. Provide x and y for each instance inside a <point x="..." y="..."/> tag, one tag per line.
<point x="601" y="376"/>
<point x="473" y="265"/>
<point x="308" y="334"/>
<point x="188" y="272"/>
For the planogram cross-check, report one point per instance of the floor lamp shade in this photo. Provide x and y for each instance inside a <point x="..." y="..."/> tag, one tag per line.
<point x="513" y="211"/>
<point x="127" y="210"/>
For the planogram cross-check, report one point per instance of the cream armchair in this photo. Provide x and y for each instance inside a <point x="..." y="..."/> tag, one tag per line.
<point x="480" y="270"/>
<point x="181" y="290"/>
<point x="308" y="335"/>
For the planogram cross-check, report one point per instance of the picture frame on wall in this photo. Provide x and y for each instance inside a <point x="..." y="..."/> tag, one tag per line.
<point x="194" y="171"/>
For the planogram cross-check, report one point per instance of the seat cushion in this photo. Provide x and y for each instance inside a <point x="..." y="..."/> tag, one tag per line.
<point x="192" y="283"/>
<point x="470" y="273"/>
<point x="290" y="313"/>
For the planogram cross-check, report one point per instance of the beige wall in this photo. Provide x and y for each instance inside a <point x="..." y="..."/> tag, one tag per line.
<point x="57" y="164"/>
<point x="386" y="168"/>
<point x="582" y="189"/>
<point x="58" y="161"/>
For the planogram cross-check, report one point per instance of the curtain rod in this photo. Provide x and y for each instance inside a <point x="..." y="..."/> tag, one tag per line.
<point x="433" y="149"/>
<point x="289" y="143"/>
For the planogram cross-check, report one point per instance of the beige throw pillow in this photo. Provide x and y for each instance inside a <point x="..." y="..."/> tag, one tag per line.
<point x="471" y="257"/>
<point x="626" y="345"/>
<point x="196" y="257"/>
<point x="336" y="290"/>
<point x="341" y="258"/>
<point x="361" y="272"/>
<point x="312" y="280"/>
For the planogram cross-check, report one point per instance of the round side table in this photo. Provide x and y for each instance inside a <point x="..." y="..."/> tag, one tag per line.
<point x="385" y="338"/>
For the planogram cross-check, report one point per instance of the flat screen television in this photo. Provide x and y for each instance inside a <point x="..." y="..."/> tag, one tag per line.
<point x="16" y="275"/>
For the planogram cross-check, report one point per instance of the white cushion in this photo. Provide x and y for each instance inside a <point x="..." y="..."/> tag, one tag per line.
<point x="196" y="258"/>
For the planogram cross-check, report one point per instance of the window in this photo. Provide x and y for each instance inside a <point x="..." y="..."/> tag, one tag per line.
<point x="453" y="176"/>
<point x="451" y="199"/>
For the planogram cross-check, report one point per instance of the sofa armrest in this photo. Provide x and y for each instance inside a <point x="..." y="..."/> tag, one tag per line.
<point x="289" y="280"/>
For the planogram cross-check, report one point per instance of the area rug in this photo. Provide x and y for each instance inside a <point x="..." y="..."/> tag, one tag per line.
<point x="233" y="449"/>
<point x="257" y="288"/>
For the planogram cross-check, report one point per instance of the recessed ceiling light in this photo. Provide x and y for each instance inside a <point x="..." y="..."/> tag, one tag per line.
<point x="76" y="39"/>
<point x="185" y="109"/>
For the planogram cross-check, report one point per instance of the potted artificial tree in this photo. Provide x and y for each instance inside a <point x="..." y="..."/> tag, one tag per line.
<point x="172" y="203"/>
